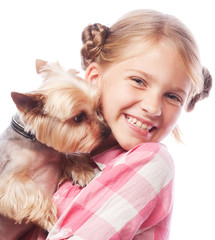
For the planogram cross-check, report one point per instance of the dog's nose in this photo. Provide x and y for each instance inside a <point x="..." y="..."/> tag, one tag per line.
<point x="106" y="131"/>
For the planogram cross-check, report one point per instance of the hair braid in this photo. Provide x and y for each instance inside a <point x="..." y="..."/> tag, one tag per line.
<point x="93" y="38"/>
<point x="207" y="85"/>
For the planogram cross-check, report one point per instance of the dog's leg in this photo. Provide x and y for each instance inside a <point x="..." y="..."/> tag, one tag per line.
<point x="22" y="201"/>
<point x="11" y="231"/>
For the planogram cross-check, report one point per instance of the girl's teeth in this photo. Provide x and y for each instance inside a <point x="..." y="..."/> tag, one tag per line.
<point x="133" y="120"/>
<point x="139" y="124"/>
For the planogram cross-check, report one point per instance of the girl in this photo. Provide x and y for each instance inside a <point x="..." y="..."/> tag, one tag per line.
<point x="147" y="68"/>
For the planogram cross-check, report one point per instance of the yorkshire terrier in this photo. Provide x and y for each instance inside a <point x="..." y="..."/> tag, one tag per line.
<point x="60" y="118"/>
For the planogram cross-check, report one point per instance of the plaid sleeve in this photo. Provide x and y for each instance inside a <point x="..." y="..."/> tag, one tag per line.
<point x="130" y="199"/>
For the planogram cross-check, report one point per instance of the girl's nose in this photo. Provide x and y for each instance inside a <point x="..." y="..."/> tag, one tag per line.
<point x="152" y="105"/>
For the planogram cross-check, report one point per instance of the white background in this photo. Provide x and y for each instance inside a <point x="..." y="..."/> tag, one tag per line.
<point x="51" y="30"/>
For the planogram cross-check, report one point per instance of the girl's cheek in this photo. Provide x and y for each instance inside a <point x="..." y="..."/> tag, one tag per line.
<point x="172" y="118"/>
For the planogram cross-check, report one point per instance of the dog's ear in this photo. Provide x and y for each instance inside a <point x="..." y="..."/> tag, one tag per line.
<point x="28" y="102"/>
<point x="43" y="68"/>
<point x="205" y="89"/>
<point x="46" y="69"/>
<point x="40" y="65"/>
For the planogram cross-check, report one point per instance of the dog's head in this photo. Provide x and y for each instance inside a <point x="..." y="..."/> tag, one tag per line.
<point x="64" y="113"/>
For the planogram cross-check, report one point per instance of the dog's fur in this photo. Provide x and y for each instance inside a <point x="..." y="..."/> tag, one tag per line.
<point x="64" y="115"/>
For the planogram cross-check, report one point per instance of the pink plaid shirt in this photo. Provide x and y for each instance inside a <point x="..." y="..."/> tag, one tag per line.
<point x="130" y="198"/>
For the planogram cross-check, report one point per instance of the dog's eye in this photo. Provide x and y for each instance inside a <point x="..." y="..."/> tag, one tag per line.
<point x="80" y="117"/>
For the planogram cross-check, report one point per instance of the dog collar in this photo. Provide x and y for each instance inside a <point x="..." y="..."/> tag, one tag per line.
<point x="20" y="129"/>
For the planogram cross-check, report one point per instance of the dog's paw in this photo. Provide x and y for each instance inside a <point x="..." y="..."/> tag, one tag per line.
<point x="78" y="169"/>
<point x="82" y="177"/>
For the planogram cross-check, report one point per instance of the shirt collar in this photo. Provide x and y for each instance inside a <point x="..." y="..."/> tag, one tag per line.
<point x="108" y="156"/>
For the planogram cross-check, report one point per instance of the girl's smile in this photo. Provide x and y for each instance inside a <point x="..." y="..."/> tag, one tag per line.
<point x="140" y="125"/>
<point x="142" y="96"/>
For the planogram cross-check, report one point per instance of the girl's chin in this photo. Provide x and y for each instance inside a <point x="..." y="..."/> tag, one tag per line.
<point x="129" y="144"/>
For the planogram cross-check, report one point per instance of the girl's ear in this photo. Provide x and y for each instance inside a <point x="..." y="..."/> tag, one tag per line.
<point x="93" y="74"/>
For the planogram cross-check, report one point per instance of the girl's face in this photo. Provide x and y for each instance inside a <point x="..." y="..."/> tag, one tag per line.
<point x="142" y="97"/>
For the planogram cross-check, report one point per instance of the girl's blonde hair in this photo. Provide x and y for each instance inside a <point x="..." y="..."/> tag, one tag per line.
<point x="108" y="45"/>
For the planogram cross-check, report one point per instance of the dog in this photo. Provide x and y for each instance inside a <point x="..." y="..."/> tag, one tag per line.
<point x="39" y="149"/>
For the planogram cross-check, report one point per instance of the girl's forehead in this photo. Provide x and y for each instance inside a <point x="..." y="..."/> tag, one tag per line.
<point x="139" y="47"/>
<point x="151" y="50"/>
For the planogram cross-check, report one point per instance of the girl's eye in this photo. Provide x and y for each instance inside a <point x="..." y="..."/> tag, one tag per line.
<point x="174" y="98"/>
<point x="139" y="81"/>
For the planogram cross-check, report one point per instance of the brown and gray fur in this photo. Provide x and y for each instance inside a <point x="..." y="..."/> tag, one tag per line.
<point x="64" y="115"/>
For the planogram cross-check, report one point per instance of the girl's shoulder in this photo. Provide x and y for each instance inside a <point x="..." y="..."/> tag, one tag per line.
<point x="150" y="153"/>
<point x="152" y="149"/>
<point x="138" y="156"/>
